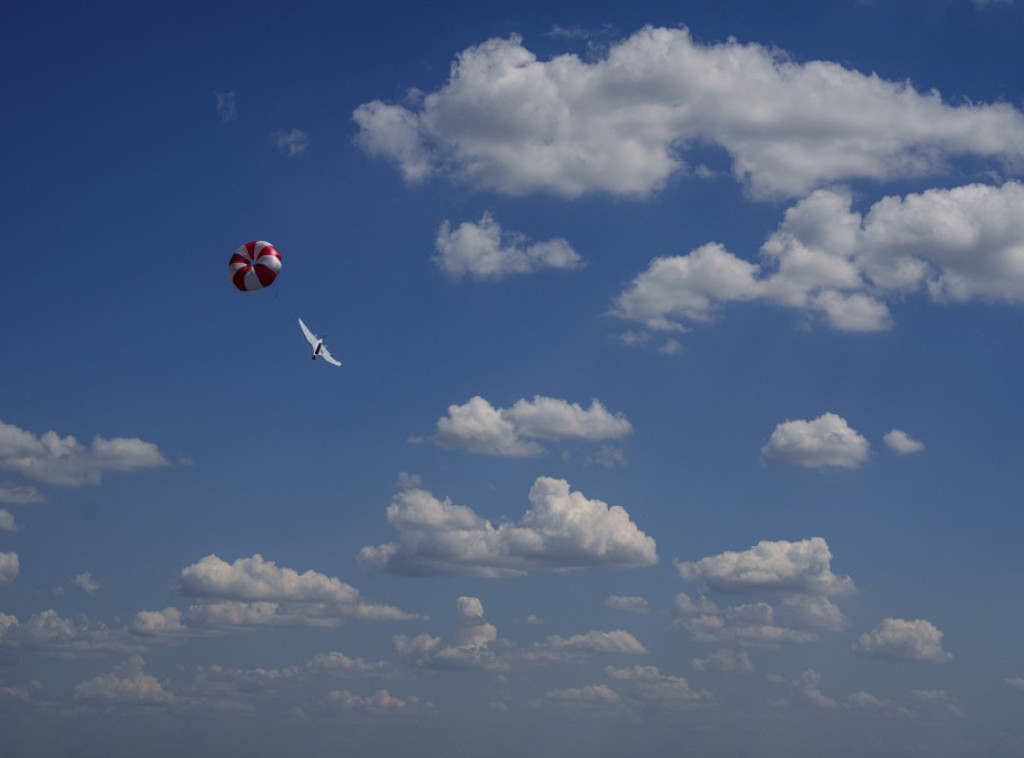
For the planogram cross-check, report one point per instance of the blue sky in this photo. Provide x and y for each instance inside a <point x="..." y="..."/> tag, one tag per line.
<point x="680" y="386"/>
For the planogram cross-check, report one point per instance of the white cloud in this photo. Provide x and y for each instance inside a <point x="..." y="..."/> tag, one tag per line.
<point x="806" y="687"/>
<point x="9" y="567"/>
<point x="802" y="567"/>
<point x="826" y="441"/>
<point x="7" y="523"/>
<point x="482" y="250"/>
<point x="293" y="143"/>
<point x="63" y="461"/>
<point x="168" y="622"/>
<point x="957" y="245"/>
<point x="47" y="633"/>
<point x="126" y="684"/>
<point x="226" y="107"/>
<point x="508" y="122"/>
<point x="379" y="703"/>
<point x="902" y="443"/>
<point x="687" y="286"/>
<point x="800" y="572"/>
<point x="253" y="592"/>
<point x="1015" y="683"/>
<point x="916" y="640"/>
<point x="474" y="644"/>
<point x="581" y="646"/>
<point x="561" y="530"/>
<point x="630" y="604"/>
<point x="588" y="694"/>
<point x="724" y="659"/>
<point x="479" y="427"/>
<point x="747" y="625"/>
<point x="86" y="583"/>
<point x="929" y="706"/>
<point x="651" y="685"/>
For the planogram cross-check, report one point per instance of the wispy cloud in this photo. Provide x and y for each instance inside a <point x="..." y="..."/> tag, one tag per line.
<point x="226" y="107"/>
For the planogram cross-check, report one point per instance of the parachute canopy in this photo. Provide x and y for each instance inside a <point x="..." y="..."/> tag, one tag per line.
<point x="254" y="265"/>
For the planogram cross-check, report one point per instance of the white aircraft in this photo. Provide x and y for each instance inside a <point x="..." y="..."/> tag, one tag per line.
<point x="317" y="343"/>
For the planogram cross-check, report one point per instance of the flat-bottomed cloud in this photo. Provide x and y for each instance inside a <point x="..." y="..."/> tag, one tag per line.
<point x="561" y="530"/>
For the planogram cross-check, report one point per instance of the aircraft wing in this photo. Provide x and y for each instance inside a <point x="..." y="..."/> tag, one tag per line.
<point x="310" y="338"/>
<point x="326" y="355"/>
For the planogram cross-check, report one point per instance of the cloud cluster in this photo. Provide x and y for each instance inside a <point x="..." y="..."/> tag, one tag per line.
<point x="46" y="633"/>
<point x="479" y="427"/>
<point x="898" y="639"/>
<point x="622" y="124"/>
<point x="62" y="460"/>
<point x="825" y="441"/>
<point x="474" y="644"/>
<point x="830" y="262"/>
<point x="483" y="251"/>
<point x="561" y="530"/>
<point x="799" y="574"/>
<point x="126" y="684"/>
<point x="253" y="593"/>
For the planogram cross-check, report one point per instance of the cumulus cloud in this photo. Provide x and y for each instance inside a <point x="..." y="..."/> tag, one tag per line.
<point x="561" y="530"/>
<point x="379" y="703"/>
<point x="63" y="461"/>
<point x="898" y="639"/>
<point x="474" y="644"/>
<point x="929" y="706"/>
<point x="483" y="251"/>
<point x="589" y="695"/>
<point x="826" y="260"/>
<point x="825" y="441"/>
<point x="726" y="660"/>
<point x="807" y="689"/>
<point x="802" y="567"/>
<point x="581" y="646"/>
<point x="293" y="143"/>
<point x="254" y="592"/>
<point x="46" y="633"/>
<point x="630" y="604"/>
<point x="86" y="583"/>
<point x="651" y="684"/>
<point x="126" y="684"/>
<point x="7" y="523"/>
<point x="746" y="625"/>
<point x="799" y="573"/>
<point x="479" y="427"/>
<point x="9" y="567"/>
<point x="902" y="443"/>
<point x="622" y="124"/>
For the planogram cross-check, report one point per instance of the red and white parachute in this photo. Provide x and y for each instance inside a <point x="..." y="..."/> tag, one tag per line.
<point x="254" y="266"/>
